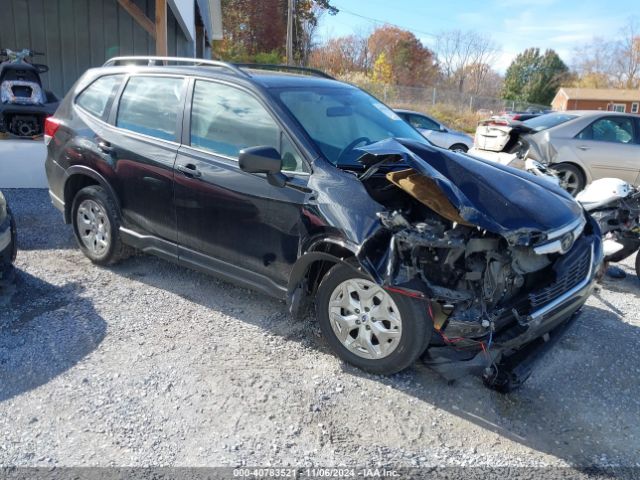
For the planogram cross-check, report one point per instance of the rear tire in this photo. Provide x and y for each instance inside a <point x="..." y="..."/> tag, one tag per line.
<point x="96" y="225"/>
<point x="378" y="331"/>
<point x="573" y="178"/>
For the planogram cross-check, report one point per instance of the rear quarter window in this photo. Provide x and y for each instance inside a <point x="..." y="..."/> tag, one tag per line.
<point x="95" y="98"/>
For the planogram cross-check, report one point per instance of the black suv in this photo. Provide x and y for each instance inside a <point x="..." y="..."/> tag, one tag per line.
<point x="313" y="191"/>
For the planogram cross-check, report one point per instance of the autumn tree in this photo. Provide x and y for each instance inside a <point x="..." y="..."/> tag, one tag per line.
<point x="593" y="64"/>
<point x="382" y="70"/>
<point x="411" y="62"/>
<point x="465" y="59"/>
<point x="308" y="15"/>
<point x="611" y="63"/>
<point x="627" y="56"/>
<point x="341" y="55"/>
<point x="258" y="29"/>
<point x="534" y="77"/>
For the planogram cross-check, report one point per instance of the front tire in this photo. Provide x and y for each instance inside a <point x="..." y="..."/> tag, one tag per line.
<point x="378" y="331"/>
<point x="96" y="225"/>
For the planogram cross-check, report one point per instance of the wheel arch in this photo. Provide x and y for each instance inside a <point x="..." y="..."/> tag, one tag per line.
<point x="78" y="177"/>
<point x="566" y="155"/>
<point x="459" y="144"/>
<point x="312" y="266"/>
<point x="585" y="172"/>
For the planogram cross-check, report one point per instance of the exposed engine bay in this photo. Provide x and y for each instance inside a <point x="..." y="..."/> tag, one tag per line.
<point x="471" y="275"/>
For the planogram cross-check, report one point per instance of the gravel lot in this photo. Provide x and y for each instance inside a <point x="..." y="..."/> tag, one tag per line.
<point x="147" y="363"/>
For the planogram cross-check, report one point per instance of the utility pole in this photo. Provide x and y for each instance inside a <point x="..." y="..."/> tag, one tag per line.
<point x="290" y="12"/>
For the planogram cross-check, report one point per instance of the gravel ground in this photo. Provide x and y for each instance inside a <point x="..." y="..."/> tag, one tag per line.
<point x="147" y="363"/>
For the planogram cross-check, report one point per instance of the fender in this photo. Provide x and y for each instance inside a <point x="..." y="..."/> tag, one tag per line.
<point x="325" y="249"/>
<point x="81" y="170"/>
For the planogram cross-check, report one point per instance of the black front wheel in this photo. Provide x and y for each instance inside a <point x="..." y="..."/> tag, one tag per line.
<point x="374" y="329"/>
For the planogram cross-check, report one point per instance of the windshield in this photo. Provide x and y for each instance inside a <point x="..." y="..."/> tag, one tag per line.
<point x="548" y="120"/>
<point x="340" y="119"/>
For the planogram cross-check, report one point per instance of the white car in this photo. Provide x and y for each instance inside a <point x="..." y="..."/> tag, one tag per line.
<point x="436" y="132"/>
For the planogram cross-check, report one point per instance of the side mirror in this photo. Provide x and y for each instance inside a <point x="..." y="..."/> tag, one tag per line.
<point x="263" y="160"/>
<point x="443" y="129"/>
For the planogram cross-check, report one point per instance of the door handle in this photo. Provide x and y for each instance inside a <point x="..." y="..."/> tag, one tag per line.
<point x="584" y="148"/>
<point x="189" y="170"/>
<point x="105" y="146"/>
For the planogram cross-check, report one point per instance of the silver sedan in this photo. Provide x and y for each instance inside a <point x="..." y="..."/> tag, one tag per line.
<point x="437" y="133"/>
<point x="581" y="146"/>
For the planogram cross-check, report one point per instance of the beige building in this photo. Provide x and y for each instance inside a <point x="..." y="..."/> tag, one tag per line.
<point x="608" y="99"/>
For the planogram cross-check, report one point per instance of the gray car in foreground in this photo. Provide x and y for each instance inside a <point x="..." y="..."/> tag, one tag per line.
<point x="581" y="146"/>
<point x="437" y="133"/>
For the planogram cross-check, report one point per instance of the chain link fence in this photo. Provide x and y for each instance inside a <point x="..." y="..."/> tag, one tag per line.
<point x="456" y="109"/>
<point x="432" y="96"/>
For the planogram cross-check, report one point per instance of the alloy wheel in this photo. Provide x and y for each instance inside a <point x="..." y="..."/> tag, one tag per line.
<point x="94" y="227"/>
<point x="365" y="319"/>
<point x="569" y="181"/>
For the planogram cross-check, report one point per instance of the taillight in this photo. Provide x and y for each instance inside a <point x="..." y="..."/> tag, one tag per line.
<point x="51" y="125"/>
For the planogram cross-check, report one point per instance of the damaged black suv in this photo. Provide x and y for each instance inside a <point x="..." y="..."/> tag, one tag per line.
<point x="313" y="191"/>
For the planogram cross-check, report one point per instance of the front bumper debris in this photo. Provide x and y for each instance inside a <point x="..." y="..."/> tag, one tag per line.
<point x="507" y="361"/>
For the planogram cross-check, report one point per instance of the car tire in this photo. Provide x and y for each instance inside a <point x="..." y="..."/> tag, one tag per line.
<point x="638" y="264"/>
<point x="383" y="345"/>
<point x="7" y="269"/>
<point x="576" y="177"/>
<point x="96" y="224"/>
<point x="459" y="147"/>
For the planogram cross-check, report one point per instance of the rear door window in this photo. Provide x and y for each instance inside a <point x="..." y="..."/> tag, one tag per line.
<point x="610" y="129"/>
<point x="95" y="98"/>
<point x="150" y="106"/>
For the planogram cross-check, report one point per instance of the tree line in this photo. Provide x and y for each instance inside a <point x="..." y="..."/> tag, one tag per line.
<point x="462" y="61"/>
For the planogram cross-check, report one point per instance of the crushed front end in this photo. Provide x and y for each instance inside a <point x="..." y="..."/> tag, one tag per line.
<point x="497" y="296"/>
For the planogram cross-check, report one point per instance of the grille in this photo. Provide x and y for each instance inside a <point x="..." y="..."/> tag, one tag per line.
<point x="575" y="269"/>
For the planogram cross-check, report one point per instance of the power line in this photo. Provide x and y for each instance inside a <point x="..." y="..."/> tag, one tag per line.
<point x="376" y="20"/>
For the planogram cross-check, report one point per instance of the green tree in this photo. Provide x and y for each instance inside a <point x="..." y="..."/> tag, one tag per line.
<point x="535" y="78"/>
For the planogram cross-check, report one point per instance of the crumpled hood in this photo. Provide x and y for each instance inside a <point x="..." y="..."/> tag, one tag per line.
<point x="502" y="200"/>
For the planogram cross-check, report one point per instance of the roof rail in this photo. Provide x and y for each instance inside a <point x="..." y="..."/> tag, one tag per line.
<point x="234" y="67"/>
<point x="285" y="68"/>
<point x="153" y="61"/>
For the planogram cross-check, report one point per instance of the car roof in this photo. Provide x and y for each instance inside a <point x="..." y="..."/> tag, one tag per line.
<point x="265" y="78"/>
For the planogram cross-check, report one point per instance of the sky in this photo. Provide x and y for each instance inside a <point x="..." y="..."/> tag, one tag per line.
<point x="513" y="24"/>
